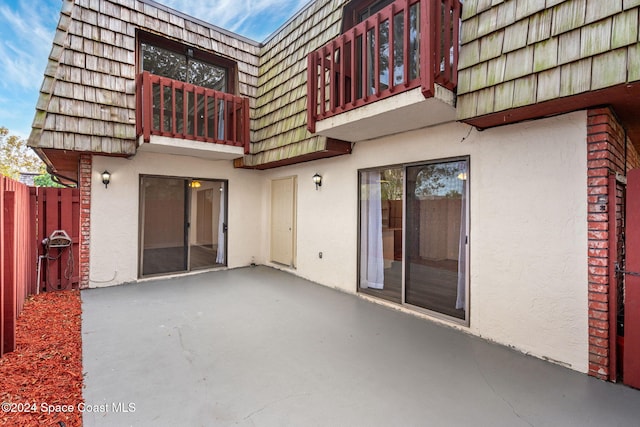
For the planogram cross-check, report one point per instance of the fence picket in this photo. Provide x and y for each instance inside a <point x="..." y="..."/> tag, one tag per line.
<point x="28" y="215"/>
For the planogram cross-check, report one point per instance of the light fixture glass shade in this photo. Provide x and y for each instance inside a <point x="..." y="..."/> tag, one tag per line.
<point x="106" y="178"/>
<point x="317" y="180"/>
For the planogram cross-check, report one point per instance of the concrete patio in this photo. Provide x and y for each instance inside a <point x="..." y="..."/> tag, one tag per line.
<point x="257" y="346"/>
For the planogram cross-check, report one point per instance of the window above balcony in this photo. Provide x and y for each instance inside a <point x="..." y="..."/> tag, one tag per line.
<point x="357" y="11"/>
<point x="186" y="102"/>
<point x="167" y="58"/>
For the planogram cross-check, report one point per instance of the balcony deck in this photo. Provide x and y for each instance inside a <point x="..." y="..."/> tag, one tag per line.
<point x="175" y="117"/>
<point x="369" y="76"/>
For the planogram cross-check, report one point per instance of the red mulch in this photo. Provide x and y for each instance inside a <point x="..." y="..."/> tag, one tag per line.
<point x="42" y="378"/>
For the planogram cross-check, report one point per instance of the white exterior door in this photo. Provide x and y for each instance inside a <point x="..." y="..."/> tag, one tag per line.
<point x="283" y="221"/>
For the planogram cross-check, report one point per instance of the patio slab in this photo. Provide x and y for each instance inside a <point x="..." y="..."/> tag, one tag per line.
<point x="261" y="347"/>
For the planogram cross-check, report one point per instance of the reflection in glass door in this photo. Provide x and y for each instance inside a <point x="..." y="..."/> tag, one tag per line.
<point x="435" y="270"/>
<point x="207" y="233"/>
<point x="182" y="224"/>
<point x="381" y="233"/>
<point x="163" y="239"/>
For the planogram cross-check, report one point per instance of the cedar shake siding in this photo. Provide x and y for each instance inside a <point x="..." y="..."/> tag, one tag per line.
<point x="523" y="59"/>
<point x="280" y="121"/>
<point x="87" y="101"/>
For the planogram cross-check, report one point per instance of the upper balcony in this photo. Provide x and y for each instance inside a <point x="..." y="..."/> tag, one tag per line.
<point x="175" y="117"/>
<point x="393" y="72"/>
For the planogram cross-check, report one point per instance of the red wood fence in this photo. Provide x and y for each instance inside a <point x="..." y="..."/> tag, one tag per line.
<point x="408" y="44"/>
<point x="176" y="109"/>
<point x="17" y="256"/>
<point x="28" y="215"/>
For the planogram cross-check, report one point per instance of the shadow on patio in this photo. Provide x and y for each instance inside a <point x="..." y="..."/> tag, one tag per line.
<point x="257" y="346"/>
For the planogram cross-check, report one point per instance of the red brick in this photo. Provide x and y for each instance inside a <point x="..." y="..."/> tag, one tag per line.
<point x="599" y="333"/>
<point x="599" y="280"/>
<point x="598" y="235"/>
<point x="597" y="208"/>
<point x="599" y="372"/>
<point x="597" y="181"/>
<point x="598" y="315"/>
<point x="603" y="271"/>
<point x="85" y="217"/>
<point x="598" y="111"/>
<point x="597" y="143"/>
<point x="598" y="353"/>
<point x="600" y="324"/>
<point x="598" y="119"/>
<point x="598" y="288"/>
<point x="601" y="128"/>
<point x="599" y="297"/>
<point x="598" y="190"/>
<point x="600" y="306"/>
<point x="599" y="244"/>
<point x="598" y="168"/>
<point x="598" y="154"/>
<point x="599" y="262"/>
<point x="600" y="253"/>
<point x="595" y="342"/>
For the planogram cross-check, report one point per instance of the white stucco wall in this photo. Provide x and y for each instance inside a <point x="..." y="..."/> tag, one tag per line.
<point x="528" y="223"/>
<point x="114" y="211"/>
<point x="528" y="226"/>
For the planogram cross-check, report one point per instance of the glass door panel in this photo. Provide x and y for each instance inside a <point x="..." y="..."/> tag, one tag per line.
<point x="207" y="234"/>
<point x="163" y="225"/>
<point x="381" y="233"/>
<point x="435" y="271"/>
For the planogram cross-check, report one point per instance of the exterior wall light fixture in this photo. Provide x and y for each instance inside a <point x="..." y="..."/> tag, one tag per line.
<point x="317" y="180"/>
<point x="106" y="178"/>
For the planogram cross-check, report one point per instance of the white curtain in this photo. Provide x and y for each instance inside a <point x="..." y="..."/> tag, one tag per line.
<point x="221" y="234"/>
<point x="371" y="256"/>
<point x="221" y="104"/>
<point x="462" y="247"/>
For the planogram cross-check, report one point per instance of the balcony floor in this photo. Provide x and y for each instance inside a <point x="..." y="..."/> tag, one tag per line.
<point x="185" y="147"/>
<point x="257" y="346"/>
<point x="402" y="112"/>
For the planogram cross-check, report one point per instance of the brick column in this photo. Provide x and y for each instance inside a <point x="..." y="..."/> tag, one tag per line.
<point x="84" y="183"/>
<point x="608" y="153"/>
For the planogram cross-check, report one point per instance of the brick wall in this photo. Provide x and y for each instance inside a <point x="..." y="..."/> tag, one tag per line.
<point x="84" y="183"/>
<point x="609" y="152"/>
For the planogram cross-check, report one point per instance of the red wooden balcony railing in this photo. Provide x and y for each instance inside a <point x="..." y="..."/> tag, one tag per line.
<point x="176" y="109"/>
<point x="408" y="44"/>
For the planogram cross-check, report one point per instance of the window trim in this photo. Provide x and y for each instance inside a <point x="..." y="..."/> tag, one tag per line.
<point x="196" y="53"/>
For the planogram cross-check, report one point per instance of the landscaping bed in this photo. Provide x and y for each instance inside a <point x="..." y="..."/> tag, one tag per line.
<point x="41" y="381"/>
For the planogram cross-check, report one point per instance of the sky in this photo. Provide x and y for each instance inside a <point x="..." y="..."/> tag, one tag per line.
<point x="27" y="29"/>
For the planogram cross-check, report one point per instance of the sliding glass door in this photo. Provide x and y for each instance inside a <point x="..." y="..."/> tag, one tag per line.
<point x="182" y="224"/>
<point x="413" y="235"/>
<point x="435" y="273"/>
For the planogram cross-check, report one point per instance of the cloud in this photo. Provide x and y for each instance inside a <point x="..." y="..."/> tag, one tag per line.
<point x="255" y="19"/>
<point x="25" y="41"/>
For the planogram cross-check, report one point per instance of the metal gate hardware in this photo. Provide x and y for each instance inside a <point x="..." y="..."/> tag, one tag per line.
<point x="630" y="273"/>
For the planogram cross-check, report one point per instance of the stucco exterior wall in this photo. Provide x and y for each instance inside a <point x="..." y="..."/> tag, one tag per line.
<point x="528" y="226"/>
<point x="115" y="210"/>
<point x="528" y="223"/>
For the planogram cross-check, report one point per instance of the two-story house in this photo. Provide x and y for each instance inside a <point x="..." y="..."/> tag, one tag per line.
<point x="452" y="160"/>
